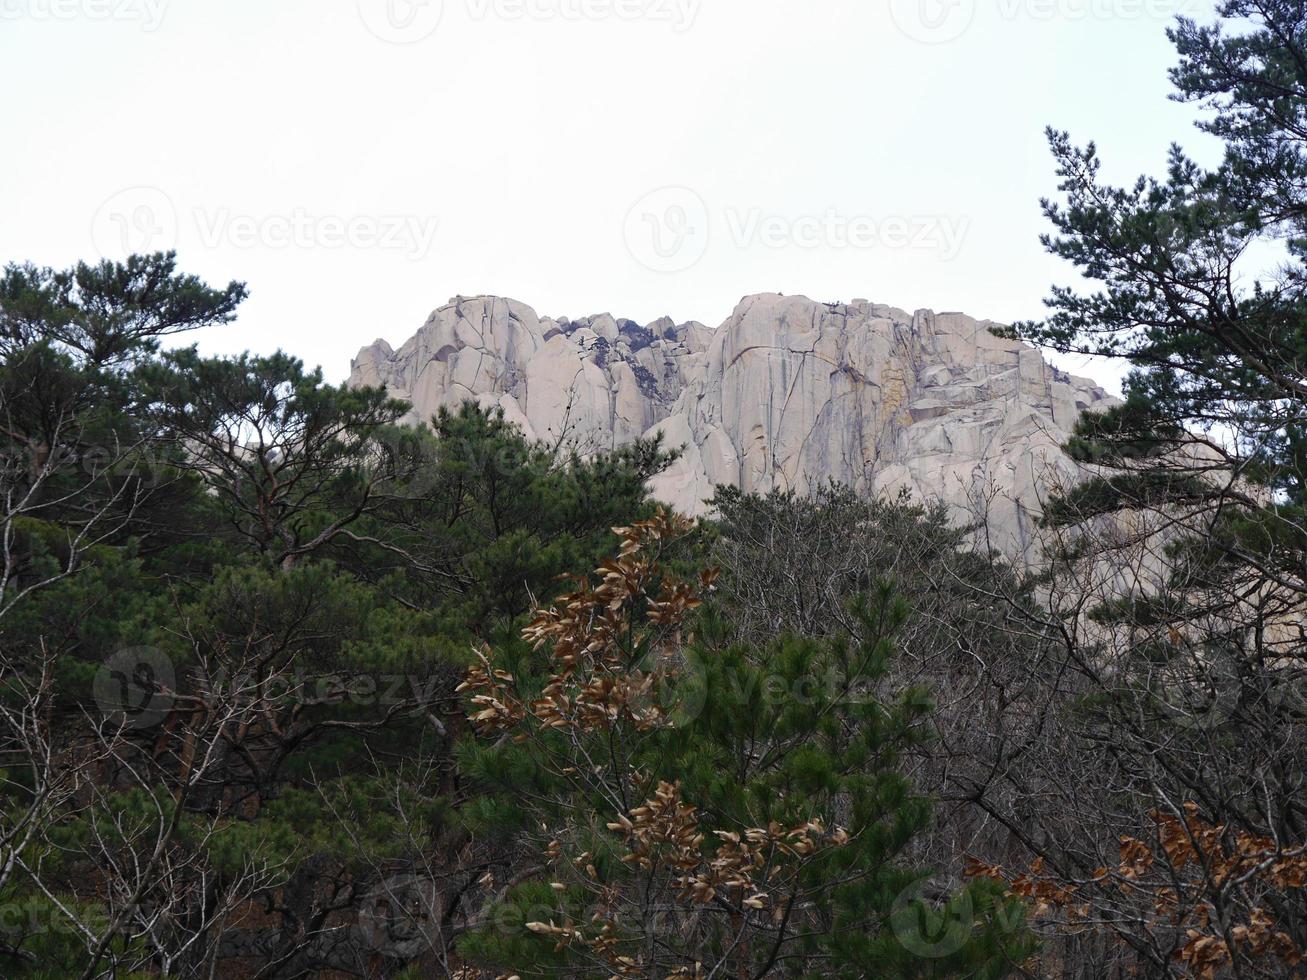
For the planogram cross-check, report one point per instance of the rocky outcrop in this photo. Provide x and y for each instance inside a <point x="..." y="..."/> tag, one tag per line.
<point x="787" y="393"/>
<point x="593" y="383"/>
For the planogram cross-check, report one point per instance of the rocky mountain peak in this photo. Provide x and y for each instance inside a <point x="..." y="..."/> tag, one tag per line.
<point x="788" y="393"/>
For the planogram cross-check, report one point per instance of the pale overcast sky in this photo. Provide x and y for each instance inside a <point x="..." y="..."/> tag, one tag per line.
<point x="359" y="162"/>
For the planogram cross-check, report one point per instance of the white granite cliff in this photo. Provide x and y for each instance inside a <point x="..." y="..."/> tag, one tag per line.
<point x="787" y="393"/>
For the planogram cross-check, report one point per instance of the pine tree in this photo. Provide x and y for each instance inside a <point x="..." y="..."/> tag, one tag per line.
<point x="676" y="805"/>
<point x="1191" y="713"/>
<point x="1212" y="426"/>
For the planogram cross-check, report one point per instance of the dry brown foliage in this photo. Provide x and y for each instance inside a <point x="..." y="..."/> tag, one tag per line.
<point x="1207" y="884"/>
<point x="599" y="639"/>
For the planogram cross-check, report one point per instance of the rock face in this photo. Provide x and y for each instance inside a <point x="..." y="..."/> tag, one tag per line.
<point x="788" y="393"/>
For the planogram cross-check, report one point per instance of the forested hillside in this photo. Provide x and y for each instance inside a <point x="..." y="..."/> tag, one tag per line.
<point x="292" y="688"/>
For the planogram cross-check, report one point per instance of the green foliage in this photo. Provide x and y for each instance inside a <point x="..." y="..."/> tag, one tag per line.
<point x="110" y="313"/>
<point x="1194" y="519"/>
<point x="293" y="462"/>
<point x="309" y="579"/>
<point x="312" y="575"/>
<point x="488" y="521"/>
<point x="1214" y="351"/>
<point x="792" y="733"/>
